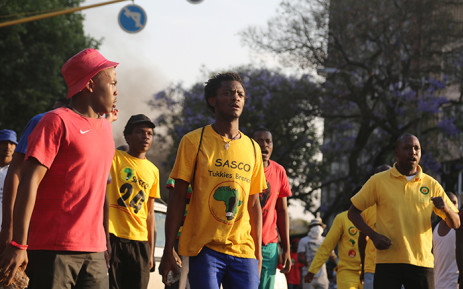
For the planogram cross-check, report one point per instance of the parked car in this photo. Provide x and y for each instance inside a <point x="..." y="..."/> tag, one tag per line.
<point x="160" y="210"/>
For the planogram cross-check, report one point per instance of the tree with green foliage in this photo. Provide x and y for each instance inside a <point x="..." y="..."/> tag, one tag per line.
<point x="274" y="101"/>
<point x="390" y="67"/>
<point x="32" y="56"/>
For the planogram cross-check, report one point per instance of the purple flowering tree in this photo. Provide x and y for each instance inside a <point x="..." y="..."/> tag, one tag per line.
<point x="389" y="67"/>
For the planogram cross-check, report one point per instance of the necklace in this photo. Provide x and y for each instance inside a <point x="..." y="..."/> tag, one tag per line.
<point x="227" y="143"/>
<point x="74" y="110"/>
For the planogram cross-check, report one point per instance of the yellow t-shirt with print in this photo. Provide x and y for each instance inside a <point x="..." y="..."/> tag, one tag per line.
<point x="134" y="181"/>
<point x="218" y="217"/>
<point x="403" y="214"/>
<point x="369" y="215"/>
<point x="344" y="234"/>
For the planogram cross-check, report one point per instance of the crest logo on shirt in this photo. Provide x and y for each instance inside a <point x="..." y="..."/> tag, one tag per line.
<point x="225" y="202"/>
<point x="352" y="253"/>
<point x="424" y="190"/>
<point x="126" y="174"/>
<point x="352" y="231"/>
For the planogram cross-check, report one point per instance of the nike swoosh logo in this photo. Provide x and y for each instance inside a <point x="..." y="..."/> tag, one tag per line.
<point x="84" y="131"/>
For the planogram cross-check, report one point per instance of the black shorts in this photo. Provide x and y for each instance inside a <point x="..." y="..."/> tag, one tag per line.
<point x="393" y="276"/>
<point x="66" y="269"/>
<point x="129" y="265"/>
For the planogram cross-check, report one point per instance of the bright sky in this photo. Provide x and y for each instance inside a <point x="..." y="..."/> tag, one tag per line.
<point x="178" y="40"/>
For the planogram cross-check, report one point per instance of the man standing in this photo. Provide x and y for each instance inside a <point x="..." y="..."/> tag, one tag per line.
<point x="274" y="212"/>
<point x="62" y="187"/>
<point x="8" y="143"/>
<point x="222" y="232"/>
<point x="308" y="247"/>
<point x="131" y="194"/>
<point x="405" y="198"/>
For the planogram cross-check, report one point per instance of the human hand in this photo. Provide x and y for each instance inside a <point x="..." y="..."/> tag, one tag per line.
<point x="113" y="115"/>
<point x="286" y="262"/>
<point x="10" y="261"/>
<point x="168" y="263"/>
<point x="309" y="277"/>
<point x="381" y="242"/>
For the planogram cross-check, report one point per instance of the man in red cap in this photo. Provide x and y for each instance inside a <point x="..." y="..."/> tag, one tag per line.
<point x="62" y="187"/>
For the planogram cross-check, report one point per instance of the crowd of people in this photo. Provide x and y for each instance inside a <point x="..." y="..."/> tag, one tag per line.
<point x="78" y="213"/>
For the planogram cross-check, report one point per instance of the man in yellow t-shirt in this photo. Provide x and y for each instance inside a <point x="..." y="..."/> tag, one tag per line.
<point x="405" y="198"/>
<point x="366" y="248"/>
<point x="344" y="234"/>
<point x="222" y="232"/>
<point x="131" y="194"/>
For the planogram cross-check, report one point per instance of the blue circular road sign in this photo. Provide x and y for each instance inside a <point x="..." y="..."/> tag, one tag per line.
<point x="132" y="18"/>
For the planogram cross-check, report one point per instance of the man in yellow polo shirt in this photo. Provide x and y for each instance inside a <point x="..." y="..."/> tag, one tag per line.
<point x="405" y="198"/>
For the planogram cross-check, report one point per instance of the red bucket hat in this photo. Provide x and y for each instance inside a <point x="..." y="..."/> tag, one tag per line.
<point x="80" y="68"/>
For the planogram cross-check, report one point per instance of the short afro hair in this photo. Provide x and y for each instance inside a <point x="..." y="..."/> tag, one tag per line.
<point x="213" y="84"/>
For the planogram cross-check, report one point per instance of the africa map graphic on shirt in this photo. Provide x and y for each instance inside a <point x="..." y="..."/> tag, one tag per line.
<point x="225" y="203"/>
<point x="265" y="195"/>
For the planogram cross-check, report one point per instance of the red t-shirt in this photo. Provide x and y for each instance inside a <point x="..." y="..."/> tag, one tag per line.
<point x="278" y="187"/>
<point x="68" y="211"/>
<point x="294" y="275"/>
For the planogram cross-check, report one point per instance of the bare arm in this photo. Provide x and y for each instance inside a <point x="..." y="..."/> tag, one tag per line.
<point x="451" y="218"/>
<point x="106" y="229"/>
<point x="381" y="242"/>
<point x="151" y="224"/>
<point x="362" y="244"/>
<point x="10" y="189"/>
<point x="459" y="256"/>
<point x="175" y="212"/>
<point x="283" y="229"/>
<point x="255" y="214"/>
<point x="13" y="258"/>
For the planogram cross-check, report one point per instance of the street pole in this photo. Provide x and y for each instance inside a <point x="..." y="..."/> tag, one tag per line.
<point x="56" y="13"/>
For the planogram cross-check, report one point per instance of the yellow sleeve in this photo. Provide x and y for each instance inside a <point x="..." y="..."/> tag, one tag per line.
<point x="366" y="197"/>
<point x="439" y="192"/>
<point x="155" y="190"/>
<point x="331" y="240"/>
<point x="185" y="160"/>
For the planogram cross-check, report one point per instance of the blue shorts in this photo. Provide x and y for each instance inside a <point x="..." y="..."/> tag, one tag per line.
<point x="210" y="268"/>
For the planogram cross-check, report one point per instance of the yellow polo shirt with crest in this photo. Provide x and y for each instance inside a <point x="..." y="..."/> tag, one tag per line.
<point x="225" y="177"/>
<point x="403" y="214"/>
<point x="342" y="231"/>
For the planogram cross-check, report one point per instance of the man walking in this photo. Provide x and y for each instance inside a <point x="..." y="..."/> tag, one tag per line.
<point x="222" y="232"/>
<point x="274" y="212"/>
<point x="62" y="187"/>
<point x="405" y="198"/>
<point x="131" y="194"/>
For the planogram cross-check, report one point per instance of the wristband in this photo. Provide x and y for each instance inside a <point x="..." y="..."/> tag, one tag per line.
<point x="19" y="246"/>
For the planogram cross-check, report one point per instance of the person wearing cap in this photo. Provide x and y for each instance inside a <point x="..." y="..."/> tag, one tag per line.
<point x="306" y="250"/>
<point x="274" y="212"/>
<point x="58" y="214"/>
<point x="131" y="197"/>
<point x="344" y="234"/>
<point x="222" y="233"/>
<point x="8" y="143"/>
<point x="405" y="199"/>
